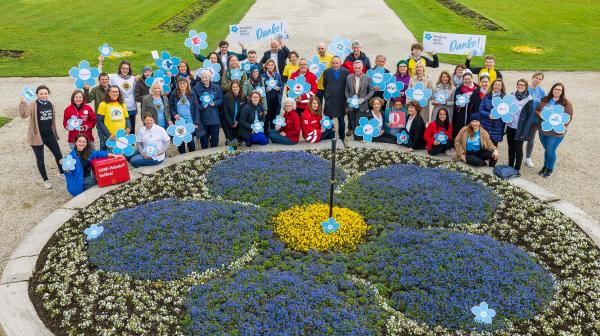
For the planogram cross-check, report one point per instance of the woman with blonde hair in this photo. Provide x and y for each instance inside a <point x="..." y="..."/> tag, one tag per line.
<point x="420" y="77"/>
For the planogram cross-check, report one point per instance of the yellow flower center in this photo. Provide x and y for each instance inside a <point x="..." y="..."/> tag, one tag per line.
<point x="301" y="229"/>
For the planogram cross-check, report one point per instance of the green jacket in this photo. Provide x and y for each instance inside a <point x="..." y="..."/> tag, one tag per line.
<point x="97" y="94"/>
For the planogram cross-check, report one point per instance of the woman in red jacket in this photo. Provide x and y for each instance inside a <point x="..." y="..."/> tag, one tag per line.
<point x="312" y="130"/>
<point x="79" y="118"/>
<point x="441" y="124"/>
<point x="289" y="134"/>
<point x="302" y="100"/>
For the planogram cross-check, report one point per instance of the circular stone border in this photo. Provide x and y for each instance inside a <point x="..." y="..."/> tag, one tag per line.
<point x="18" y="317"/>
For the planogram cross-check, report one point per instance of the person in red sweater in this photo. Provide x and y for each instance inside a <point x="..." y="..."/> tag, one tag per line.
<point x="80" y="110"/>
<point x="301" y="101"/>
<point x="312" y="130"/>
<point x="289" y="134"/>
<point x="441" y="124"/>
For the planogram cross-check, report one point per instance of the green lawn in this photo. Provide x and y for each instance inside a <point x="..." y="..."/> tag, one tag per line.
<point x="566" y="30"/>
<point x="4" y="121"/>
<point x="56" y="35"/>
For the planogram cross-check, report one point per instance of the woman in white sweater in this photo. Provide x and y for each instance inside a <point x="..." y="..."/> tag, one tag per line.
<point x="125" y="80"/>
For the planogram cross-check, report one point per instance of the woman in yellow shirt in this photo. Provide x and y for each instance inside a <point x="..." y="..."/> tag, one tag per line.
<point x="112" y="115"/>
<point x="291" y="67"/>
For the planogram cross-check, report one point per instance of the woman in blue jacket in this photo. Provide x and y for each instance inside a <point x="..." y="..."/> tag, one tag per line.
<point x="184" y="105"/>
<point x="495" y="127"/>
<point x="81" y="178"/>
<point x="209" y="110"/>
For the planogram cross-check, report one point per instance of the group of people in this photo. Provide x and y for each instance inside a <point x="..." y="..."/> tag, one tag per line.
<point x="249" y="97"/>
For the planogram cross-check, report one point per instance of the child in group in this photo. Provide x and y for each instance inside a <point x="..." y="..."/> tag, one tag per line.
<point x="416" y="51"/>
<point x="537" y="92"/>
<point x="42" y="130"/>
<point x="489" y="69"/>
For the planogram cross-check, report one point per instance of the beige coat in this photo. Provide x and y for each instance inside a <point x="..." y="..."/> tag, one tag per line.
<point x="33" y="131"/>
<point x="460" y="143"/>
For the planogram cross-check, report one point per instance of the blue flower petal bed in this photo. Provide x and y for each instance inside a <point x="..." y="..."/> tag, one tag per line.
<point x="275" y="181"/>
<point x="419" y="196"/>
<point x="168" y="239"/>
<point x="189" y="250"/>
<point x="435" y="275"/>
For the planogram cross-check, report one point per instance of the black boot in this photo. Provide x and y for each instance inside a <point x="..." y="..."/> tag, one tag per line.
<point x="548" y="173"/>
<point x="542" y="171"/>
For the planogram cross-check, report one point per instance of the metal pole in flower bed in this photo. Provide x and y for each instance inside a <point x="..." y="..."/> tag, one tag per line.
<point x="332" y="181"/>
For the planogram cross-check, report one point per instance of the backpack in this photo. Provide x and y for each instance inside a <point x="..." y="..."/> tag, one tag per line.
<point x="506" y="172"/>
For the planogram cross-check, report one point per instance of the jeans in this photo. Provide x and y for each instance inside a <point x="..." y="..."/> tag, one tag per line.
<point x="327" y="134"/>
<point x="102" y="139"/>
<point x="49" y="141"/>
<point x="132" y="120"/>
<point x="280" y="139"/>
<point x="550" y="144"/>
<point x="191" y="146"/>
<point x="89" y="182"/>
<point x="478" y="158"/>
<point x="515" y="149"/>
<point x="531" y="142"/>
<point x="137" y="160"/>
<point x="212" y="134"/>
<point x="259" y="139"/>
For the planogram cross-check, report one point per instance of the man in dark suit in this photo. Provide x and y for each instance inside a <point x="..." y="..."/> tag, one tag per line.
<point x="278" y="52"/>
<point x="358" y="84"/>
<point x="334" y="84"/>
<point x="224" y="54"/>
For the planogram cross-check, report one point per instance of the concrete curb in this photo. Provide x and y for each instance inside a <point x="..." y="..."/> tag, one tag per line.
<point x="18" y="317"/>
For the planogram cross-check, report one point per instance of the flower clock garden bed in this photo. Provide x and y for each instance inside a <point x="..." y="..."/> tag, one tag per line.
<point x="243" y="245"/>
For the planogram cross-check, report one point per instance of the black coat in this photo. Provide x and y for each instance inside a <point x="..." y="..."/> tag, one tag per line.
<point x="229" y="103"/>
<point x="462" y="115"/>
<point x="247" y="116"/>
<point x="335" y="96"/>
<point x="415" y="135"/>
<point x="282" y="56"/>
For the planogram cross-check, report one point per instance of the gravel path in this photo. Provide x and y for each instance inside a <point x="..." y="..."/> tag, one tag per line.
<point x="24" y="201"/>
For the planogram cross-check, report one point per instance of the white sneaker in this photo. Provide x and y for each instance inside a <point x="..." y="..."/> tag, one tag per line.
<point x="47" y="184"/>
<point x="529" y="162"/>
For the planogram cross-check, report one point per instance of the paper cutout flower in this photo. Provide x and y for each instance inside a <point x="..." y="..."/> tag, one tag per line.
<point x="367" y="128"/>
<point x="402" y="138"/>
<point x="353" y="101"/>
<point x="206" y="99"/>
<point x="236" y="74"/>
<point x="160" y="76"/>
<point x="554" y="118"/>
<point x="340" y="47"/>
<point x="379" y="78"/>
<point x="151" y="150"/>
<point x="168" y="63"/>
<point x="441" y="97"/>
<point x="84" y="74"/>
<point x="316" y="67"/>
<point x="257" y="126"/>
<point x="462" y="100"/>
<point x="122" y="144"/>
<point x="196" y="41"/>
<point x="245" y="65"/>
<point x="279" y="121"/>
<point x="260" y="90"/>
<point x="297" y="86"/>
<point x="28" y="94"/>
<point x="441" y="137"/>
<point x="93" y="232"/>
<point x="74" y="123"/>
<point x="181" y="131"/>
<point x="105" y="50"/>
<point x="271" y="84"/>
<point x="326" y="122"/>
<point x="504" y="108"/>
<point x="419" y="93"/>
<point x="330" y="225"/>
<point x="213" y="68"/>
<point x="393" y="89"/>
<point x="68" y="163"/>
<point x="483" y="314"/>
